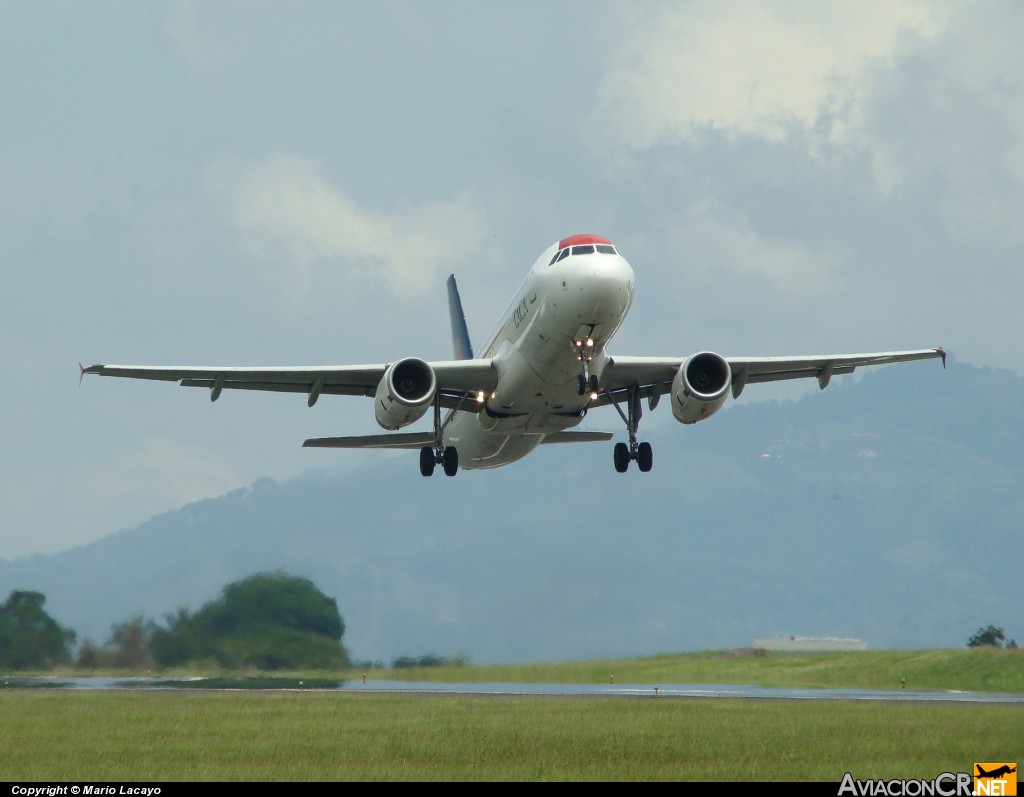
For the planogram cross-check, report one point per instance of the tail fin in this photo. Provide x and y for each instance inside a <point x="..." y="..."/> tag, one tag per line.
<point x="460" y="334"/>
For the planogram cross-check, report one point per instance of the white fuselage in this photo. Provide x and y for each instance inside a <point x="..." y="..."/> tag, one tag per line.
<point x="580" y="297"/>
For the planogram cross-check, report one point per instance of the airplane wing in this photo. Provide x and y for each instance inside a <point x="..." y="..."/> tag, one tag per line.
<point x="577" y="437"/>
<point x="653" y="375"/>
<point x="455" y="378"/>
<point x="400" y="440"/>
<point x="418" y="439"/>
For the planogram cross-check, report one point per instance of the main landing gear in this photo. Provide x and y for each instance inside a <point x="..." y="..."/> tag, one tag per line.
<point x="438" y="454"/>
<point x="640" y="452"/>
<point x="447" y="457"/>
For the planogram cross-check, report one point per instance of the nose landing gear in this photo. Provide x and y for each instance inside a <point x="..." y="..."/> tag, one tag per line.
<point x="586" y="381"/>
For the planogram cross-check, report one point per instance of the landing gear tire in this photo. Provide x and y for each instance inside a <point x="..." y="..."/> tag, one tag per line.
<point x="621" y="457"/>
<point x="644" y="457"/>
<point x="450" y="461"/>
<point x="587" y="384"/>
<point x="427" y="461"/>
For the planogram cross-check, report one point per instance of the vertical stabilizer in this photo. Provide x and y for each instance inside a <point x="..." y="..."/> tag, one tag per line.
<point x="460" y="334"/>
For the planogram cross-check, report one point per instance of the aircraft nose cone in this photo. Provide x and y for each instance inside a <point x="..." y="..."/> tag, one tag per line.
<point x="612" y="279"/>
<point x="596" y="290"/>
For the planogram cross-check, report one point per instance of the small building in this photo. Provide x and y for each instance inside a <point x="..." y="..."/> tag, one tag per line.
<point x="809" y="643"/>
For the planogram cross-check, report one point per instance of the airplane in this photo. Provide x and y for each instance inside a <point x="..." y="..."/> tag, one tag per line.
<point x="546" y="366"/>
<point x="995" y="773"/>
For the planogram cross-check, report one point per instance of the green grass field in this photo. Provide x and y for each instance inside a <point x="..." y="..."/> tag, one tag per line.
<point x="974" y="670"/>
<point x="143" y="736"/>
<point x="327" y="735"/>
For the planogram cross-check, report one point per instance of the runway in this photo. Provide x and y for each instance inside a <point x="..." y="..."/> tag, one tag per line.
<point x="680" y="691"/>
<point x="639" y="691"/>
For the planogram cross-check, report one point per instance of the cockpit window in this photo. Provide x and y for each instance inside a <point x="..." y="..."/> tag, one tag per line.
<point x="584" y="249"/>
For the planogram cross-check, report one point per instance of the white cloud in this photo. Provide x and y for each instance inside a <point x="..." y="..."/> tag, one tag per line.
<point x="925" y="91"/>
<point x="954" y="114"/>
<point x="286" y="210"/>
<point x="753" y="69"/>
<point x="721" y="242"/>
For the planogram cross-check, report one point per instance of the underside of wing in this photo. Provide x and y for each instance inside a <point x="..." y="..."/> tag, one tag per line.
<point x="400" y="440"/>
<point x="649" y="376"/>
<point x="822" y="367"/>
<point x="653" y="376"/>
<point x="455" y="378"/>
<point x="577" y="437"/>
<point x="409" y="440"/>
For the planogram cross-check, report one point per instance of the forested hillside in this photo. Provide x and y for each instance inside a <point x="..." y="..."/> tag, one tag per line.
<point x="887" y="508"/>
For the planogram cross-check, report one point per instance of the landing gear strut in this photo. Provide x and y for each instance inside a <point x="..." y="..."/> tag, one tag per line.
<point x="439" y="454"/>
<point x="641" y="452"/>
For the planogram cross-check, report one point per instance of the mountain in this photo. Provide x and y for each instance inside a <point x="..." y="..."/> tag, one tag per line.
<point x="887" y="508"/>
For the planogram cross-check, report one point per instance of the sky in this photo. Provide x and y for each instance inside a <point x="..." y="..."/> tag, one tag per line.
<point x="256" y="183"/>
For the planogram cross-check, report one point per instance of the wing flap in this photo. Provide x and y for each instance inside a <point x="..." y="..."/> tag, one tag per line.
<point x="400" y="440"/>
<point x="577" y="437"/>
<point x="811" y="365"/>
<point x="654" y="375"/>
<point x="454" y="377"/>
<point x="632" y="371"/>
<point x="796" y="373"/>
<point x="299" y="375"/>
<point x="283" y="387"/>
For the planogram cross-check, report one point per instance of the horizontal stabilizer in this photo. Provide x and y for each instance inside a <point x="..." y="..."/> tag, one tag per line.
<point x="577" y="437"/>
<point x="404" y="440"/>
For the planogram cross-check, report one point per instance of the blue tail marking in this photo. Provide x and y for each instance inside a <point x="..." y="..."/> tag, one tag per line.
<point x="461" y="346"/>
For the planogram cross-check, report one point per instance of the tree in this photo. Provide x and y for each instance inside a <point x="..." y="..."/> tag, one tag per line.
<point x="127" y="648"/>
<point x="129" y="644"/>
<point x="429" y="660"/>
<point x="269" y="621"/>
<point x="29" y="637"/>
<point x="993" y="636"/>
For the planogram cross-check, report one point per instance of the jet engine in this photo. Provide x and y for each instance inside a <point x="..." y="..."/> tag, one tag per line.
<point x="405" y="393"/>
<point x="700" y="387"/>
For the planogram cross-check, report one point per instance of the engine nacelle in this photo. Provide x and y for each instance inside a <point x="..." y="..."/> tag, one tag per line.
<point x="405" y="393"/>
<point x="700" y="387"/>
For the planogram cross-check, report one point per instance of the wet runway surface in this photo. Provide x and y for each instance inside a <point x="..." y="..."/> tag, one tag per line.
<point x="680" y="690"/>
<point x="531" y="689"/>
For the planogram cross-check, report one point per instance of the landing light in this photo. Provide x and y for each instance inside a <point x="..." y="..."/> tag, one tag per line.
<point x="480" y="397"/>
<point x="593" y="396"/>
<point x="590" y="342"/>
